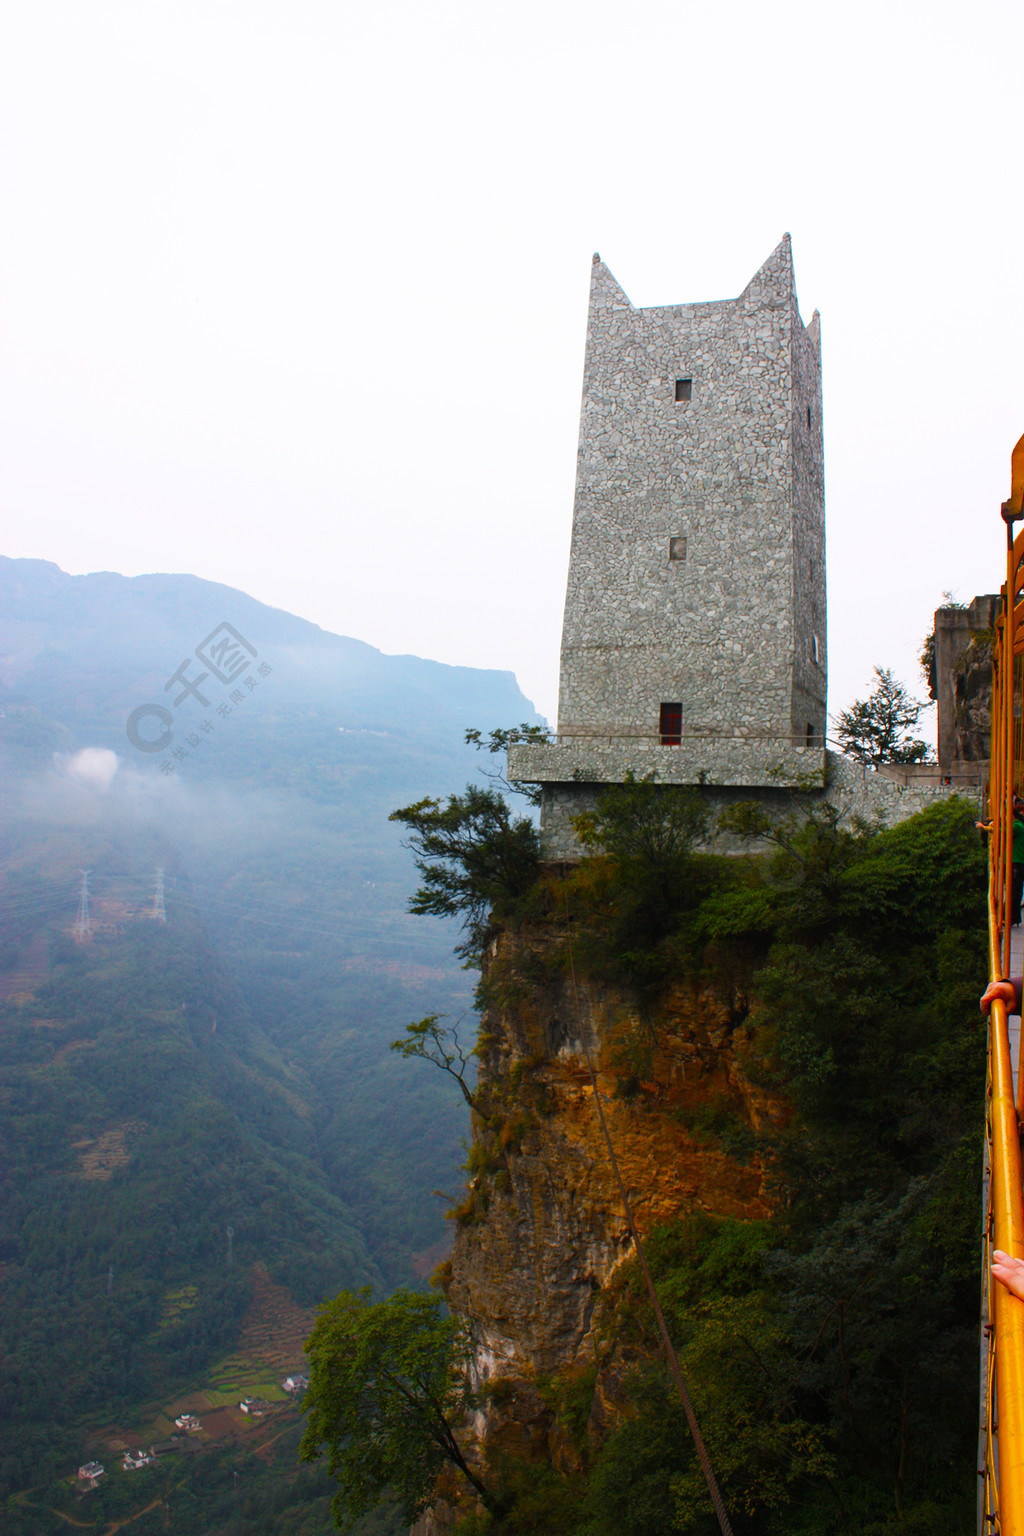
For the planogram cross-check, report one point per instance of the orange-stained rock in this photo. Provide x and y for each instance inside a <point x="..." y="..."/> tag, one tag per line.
<point x="544" y="1226"/>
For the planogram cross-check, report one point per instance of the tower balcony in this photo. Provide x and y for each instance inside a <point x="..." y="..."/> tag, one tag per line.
<point x="694" y="757"/>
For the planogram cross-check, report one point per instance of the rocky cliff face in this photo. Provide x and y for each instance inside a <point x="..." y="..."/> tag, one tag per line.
<point x="543" y="1228"/>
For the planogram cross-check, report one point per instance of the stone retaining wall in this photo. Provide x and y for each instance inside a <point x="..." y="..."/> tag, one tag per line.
<point x="859" y="793"/>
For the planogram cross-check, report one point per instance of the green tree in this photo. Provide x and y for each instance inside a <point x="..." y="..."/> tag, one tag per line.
<point x="388" y="1387"/>
<point x="871" y="1308"/>
<point x="734" y="1349"/>
<point x="476" y="858"/>
<point x="654" y="827"/>
<point x="809" y="847"/>
<point x="875" y="729"/>
<point x="499" y="741"/>
<point x="429" y="1040"/>
<point x="647" y="879"/>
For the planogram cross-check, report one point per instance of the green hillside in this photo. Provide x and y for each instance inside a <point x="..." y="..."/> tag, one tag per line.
<point x="154" y="1147"/>
<point x="200" y="1113"/>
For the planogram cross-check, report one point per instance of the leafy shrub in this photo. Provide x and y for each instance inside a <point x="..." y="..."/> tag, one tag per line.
<point x="476" y="858"/>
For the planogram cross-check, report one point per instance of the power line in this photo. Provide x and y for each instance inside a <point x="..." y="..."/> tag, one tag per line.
<point x="393" y="929"/>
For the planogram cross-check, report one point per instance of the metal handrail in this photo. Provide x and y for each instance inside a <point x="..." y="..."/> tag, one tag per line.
<point x="691" y="733"/>
<point x="1001" y="1507"/>
<point x="570" y="738"/>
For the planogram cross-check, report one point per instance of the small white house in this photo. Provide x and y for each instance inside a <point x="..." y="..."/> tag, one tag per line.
<point x="91" y="1473"/>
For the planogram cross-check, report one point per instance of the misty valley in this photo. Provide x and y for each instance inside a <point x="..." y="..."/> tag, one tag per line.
<point x="205" y="955"/>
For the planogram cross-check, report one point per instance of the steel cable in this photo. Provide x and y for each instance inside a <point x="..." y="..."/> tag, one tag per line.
<point x="670" y="1353"/>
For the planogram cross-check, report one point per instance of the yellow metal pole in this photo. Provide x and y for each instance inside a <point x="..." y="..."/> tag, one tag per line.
<point x="1007" y="1234"/>
<point x="1012" y="511"/>
<point x="997" y="819"/>
<point x="1005" y="1487"/>
<point x="1007" y="752"/>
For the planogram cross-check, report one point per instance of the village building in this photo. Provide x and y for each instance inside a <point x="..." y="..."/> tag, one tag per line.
<point x="132" y="1460"/>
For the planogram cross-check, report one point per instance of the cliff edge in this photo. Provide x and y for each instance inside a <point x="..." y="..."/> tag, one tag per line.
<point x="543" y="1228"/>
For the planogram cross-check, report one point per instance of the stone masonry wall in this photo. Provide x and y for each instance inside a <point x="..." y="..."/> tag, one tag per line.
<point x="727" y="760"/>
<point x="810" y="659"/>
<point x="858" y="792"/>
<point x="697" y="570"/>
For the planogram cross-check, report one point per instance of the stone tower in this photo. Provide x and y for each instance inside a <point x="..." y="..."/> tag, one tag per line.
<point x="693" y="643"/>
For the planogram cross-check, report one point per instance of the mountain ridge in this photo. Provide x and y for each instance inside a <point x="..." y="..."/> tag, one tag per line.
<point x="281" y="876"/>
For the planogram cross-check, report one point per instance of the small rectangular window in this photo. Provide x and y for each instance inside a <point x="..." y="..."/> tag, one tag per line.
<point x="810" y="734"/>
<point x="671" y="725"/>
<point x="808" y="416"/>
<point x="677" y="547"/>
<point x="815" y="648"/>
<point x="684" y="389"/>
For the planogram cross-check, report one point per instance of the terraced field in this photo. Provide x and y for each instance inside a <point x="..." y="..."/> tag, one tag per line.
<point x="275" y="1328"/>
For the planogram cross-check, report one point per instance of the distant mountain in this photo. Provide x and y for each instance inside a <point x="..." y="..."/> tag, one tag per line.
<point x="162" y="1081"/>
<point x="88" y="650"/>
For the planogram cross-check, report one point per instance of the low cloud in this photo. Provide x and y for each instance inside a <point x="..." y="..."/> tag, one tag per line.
<point x="95" y="766"/>
<point x="95" y="788"/>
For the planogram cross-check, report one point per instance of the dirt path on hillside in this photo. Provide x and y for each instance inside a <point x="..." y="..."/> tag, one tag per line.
<point x="119" y="1525"/>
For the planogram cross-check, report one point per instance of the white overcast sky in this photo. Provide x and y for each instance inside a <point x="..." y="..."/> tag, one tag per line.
<point x="294" y="293"/>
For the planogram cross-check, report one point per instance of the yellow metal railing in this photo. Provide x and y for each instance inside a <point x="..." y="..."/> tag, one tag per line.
<point x="1002" y="1498"/>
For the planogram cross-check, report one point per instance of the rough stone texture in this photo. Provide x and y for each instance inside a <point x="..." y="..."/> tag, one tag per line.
<point x="888" y="797"/>
<point x="859" y="793"/>
<point x="697" y="569"/>
<point x="439" y="1521"/>
<point x="528" y="1275"/>
<point x="544" y="1228"/>
<point x="702" y="760"/>
<point x="963" y="682"/>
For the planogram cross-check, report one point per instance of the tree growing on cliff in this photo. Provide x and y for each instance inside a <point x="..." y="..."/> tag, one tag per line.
<point x="388" y="1388"/>
<point x="642" y="875"/>
<point x="430" y="1040"/>
<point x="651" y="826"/>
<point x="497" y="743"/>
<point x="476" y="859"/>
<point x="875" y="729"/>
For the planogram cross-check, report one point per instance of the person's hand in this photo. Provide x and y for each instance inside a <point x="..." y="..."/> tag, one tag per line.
<point x="1009" y="1272"/>
<point x="1003" y="990"/>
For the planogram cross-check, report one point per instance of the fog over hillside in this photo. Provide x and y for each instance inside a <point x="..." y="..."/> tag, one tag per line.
<point x="248" y="959"/>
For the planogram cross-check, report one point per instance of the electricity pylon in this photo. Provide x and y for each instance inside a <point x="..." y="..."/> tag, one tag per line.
<point x="83" y="926"/>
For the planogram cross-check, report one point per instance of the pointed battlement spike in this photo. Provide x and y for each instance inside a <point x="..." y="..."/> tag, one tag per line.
<point x="774" y="275"/>
<point x="605" y="292"/>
